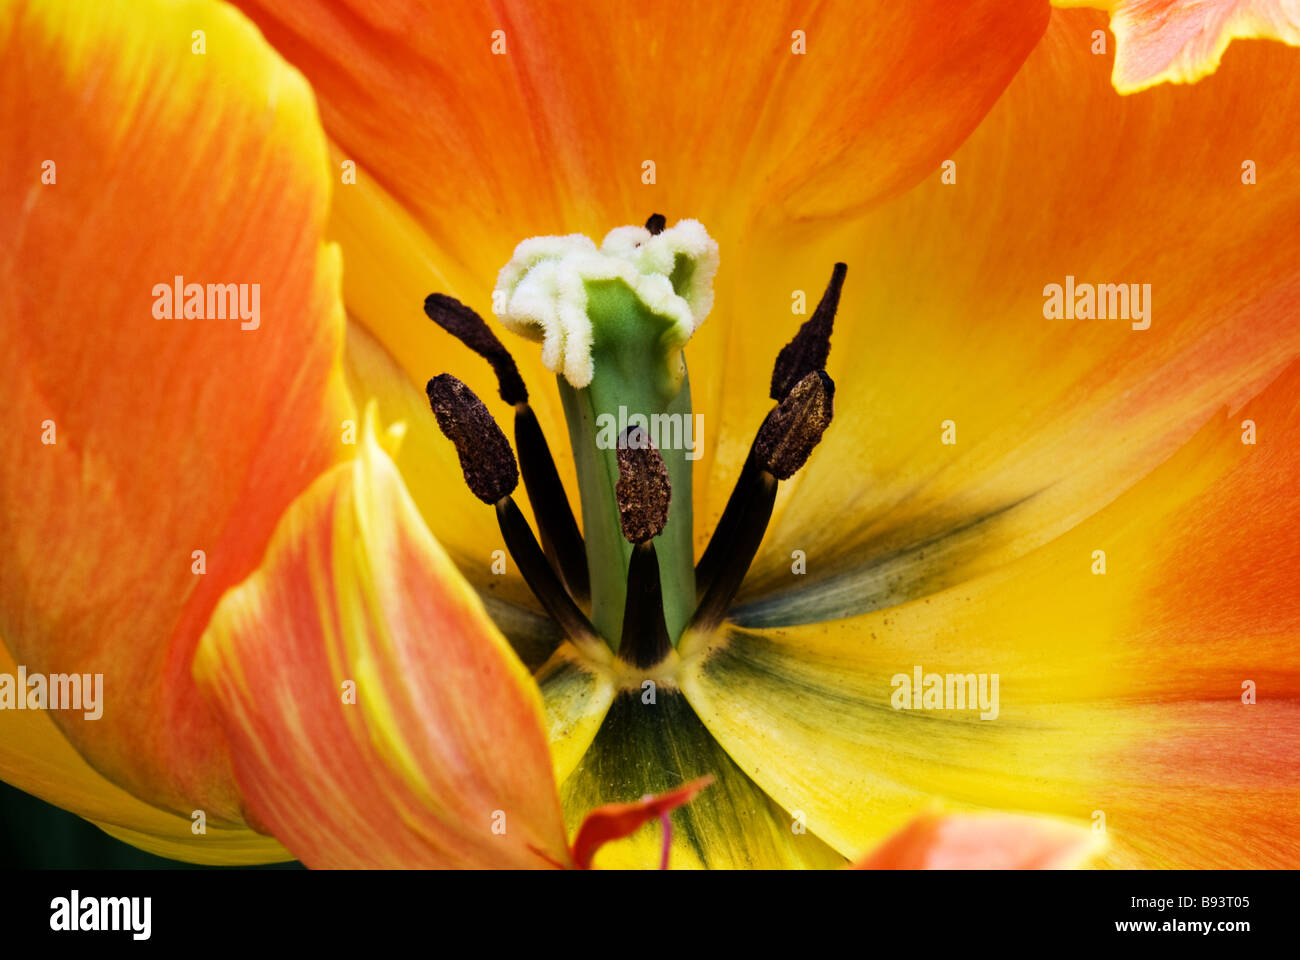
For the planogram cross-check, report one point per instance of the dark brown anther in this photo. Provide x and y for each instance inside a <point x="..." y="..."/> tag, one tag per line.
<point x="642" y="490"/>
<point x="470" y="329"/>
<point x="656" y="224"/>
<point x="486" y="459"/>
<point x="811" y="346"/>
<point x="795" y="427"/>
<point x="784" y="442"/>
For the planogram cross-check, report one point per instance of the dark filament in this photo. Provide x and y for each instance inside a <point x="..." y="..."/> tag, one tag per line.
<point x="561" y="539"/>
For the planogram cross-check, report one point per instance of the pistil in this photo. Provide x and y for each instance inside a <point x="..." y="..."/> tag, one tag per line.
<point x="612" y="321"/>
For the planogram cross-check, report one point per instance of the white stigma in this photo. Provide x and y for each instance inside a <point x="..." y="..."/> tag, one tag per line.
<point x="541" y="293"/>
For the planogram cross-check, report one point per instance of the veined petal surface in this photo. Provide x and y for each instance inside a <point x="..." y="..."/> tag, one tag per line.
<point x="378" y="717"/>
<point x="1137" y="672"/>
<point x="970" y="425"/>
<point x="151" y="447"/>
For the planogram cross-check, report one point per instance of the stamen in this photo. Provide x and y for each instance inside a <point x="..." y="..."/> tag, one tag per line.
<point x="656" y="224"/>
<point x="486" y="459"/>
<point x="714" y="555"/>
<point x="806" y="353"/>
<point x="539" y="576"/>
<point x="755" y="514"/>
<point x="561" y="539"/>
<point x="795" y="427"/>
<point x="643" y="496"/>
<point x="468" y="327"/>
<point x="782" y="446"/>
<point x="642" y="490"/>
<point x="645" y="640"/>
<point x="812" y="344"/>
<point x="491" y="474"/>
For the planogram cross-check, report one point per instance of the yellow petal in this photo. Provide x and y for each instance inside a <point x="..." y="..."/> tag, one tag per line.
<point x="651" y="742"/>
<point x="577" y="694"/>
<point x="1119" y="696"/>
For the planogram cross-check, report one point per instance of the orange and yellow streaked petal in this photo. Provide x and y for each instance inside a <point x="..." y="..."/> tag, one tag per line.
<point x="170" y="435"/>
<point x="442" y="741"/>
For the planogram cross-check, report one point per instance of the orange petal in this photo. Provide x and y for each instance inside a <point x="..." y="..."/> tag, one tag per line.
<point x="1226" y="581"/>
<point x="614" y="821"/>
<point x="1212" y="772"/>
<point x="1181" y="41"/>
<point x="127" y="161"/>
<point x="493" y="122"/>
<point x="377" y="716"/>
<point x="984" y="841"/>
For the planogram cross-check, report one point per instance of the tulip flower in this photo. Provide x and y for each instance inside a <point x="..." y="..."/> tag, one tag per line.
<point x="370" y="580"/>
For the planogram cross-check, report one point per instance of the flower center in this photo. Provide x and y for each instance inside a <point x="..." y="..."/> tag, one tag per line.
<point x="612" y="322"/>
